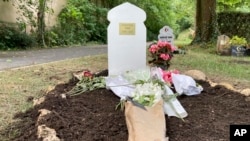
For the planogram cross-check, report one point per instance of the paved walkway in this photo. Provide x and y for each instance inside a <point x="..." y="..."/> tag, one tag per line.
<point x="15" y="59"/>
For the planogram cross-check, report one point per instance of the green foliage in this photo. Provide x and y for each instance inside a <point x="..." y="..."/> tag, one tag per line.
<point x="234" y="23"/>
<point x="161" y="13"/>
<point x="79" y="22"/>
<point x="12" y="38"/>
<point x="53" y="37"/>
<point x="233" y="5"/>
<point x="184" y="18"/>
<point x="235" y="40"/>
<point x="184" y="23"/>
<point x="84" y="21"/>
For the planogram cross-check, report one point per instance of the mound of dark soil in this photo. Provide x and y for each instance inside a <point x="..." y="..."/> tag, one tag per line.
<point x="91" y="116"/>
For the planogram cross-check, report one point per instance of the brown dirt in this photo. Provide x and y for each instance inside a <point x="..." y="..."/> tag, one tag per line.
<point x="91" y="116"/>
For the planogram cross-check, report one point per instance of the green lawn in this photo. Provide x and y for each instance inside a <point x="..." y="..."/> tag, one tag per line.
<point x="226" y="67"/>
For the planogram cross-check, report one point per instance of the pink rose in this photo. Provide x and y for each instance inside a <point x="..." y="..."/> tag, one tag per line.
<point x="164" y="56"/>
<point x="167" y="75"/>
<point x="87" y="74"/>
<point x="160" y="43"/>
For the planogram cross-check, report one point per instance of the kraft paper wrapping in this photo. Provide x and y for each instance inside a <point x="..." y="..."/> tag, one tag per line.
<point x="145" y="125"/>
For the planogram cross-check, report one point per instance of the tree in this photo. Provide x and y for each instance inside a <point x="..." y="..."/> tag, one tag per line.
<point x="41" y="22"/>
<point x="185" y="18"/>
<point x="206" y="24"/>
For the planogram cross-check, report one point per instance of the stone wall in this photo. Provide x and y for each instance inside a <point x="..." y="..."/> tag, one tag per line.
<point x="8" y="12"/>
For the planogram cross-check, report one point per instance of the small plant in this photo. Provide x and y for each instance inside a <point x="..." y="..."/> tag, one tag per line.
<point x="236" y="40"/>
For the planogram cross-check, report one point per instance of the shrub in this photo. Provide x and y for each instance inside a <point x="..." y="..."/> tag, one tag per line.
<point x="234" y="23"/>
<point x="235" y="40"/>
<point x="12" y="38"/>
<point x="79" y="22"/>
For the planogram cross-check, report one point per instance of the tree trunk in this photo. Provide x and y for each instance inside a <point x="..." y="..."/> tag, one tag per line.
<point x="206" y="23"/>
<point x="41" y="22"/>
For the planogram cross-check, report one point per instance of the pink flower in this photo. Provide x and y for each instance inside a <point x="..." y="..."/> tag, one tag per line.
<point x="153" y="48"/>
<point x="161" y="52"/>
<point x="172" y="48"/>
<point x="164" y="56"/>
<point x="163" y="44"/>
<point x="175" y="72"/>
<point x="167" y="75"/>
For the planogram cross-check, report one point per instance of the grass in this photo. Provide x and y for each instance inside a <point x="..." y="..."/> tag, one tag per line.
<point x="183" y="39"/>
<point x="205" y="58"/>
<point x="228" y="68"/>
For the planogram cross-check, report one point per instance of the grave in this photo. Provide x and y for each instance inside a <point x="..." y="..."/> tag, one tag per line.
<point x="223" y="45"/>
<point x="126" y="39"/>
<point x="166" y="35"/>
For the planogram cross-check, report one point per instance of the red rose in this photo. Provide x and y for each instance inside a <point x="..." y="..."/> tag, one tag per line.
<point x="87" y="74"/>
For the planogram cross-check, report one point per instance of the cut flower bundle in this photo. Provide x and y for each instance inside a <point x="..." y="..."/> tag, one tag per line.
<point x="147" y="94"/>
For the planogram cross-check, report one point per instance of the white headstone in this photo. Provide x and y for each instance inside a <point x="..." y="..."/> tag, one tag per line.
<point x="166" y="34"/>
<point x="126" y="39"/>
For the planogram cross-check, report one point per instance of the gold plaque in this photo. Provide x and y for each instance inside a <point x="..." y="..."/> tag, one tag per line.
<point x="127" y="28"/>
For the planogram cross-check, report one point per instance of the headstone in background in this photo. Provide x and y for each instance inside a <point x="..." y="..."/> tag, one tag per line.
<point x="166" y="34"/>
<point x="126" y="39"/>
<point x="238" y="51"/>
<point x="223" y="45"/>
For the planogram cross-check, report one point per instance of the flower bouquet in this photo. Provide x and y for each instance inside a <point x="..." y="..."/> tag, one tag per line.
<point x="144" y="114"/>
<point x="147" y="94"/>
<point x="161" y="53"/>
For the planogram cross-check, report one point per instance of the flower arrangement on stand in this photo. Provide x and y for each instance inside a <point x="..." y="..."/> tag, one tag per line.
<point x="161" y="53"/>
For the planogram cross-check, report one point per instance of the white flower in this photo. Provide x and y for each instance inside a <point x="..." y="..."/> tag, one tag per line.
<point x="147" y="93"/>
